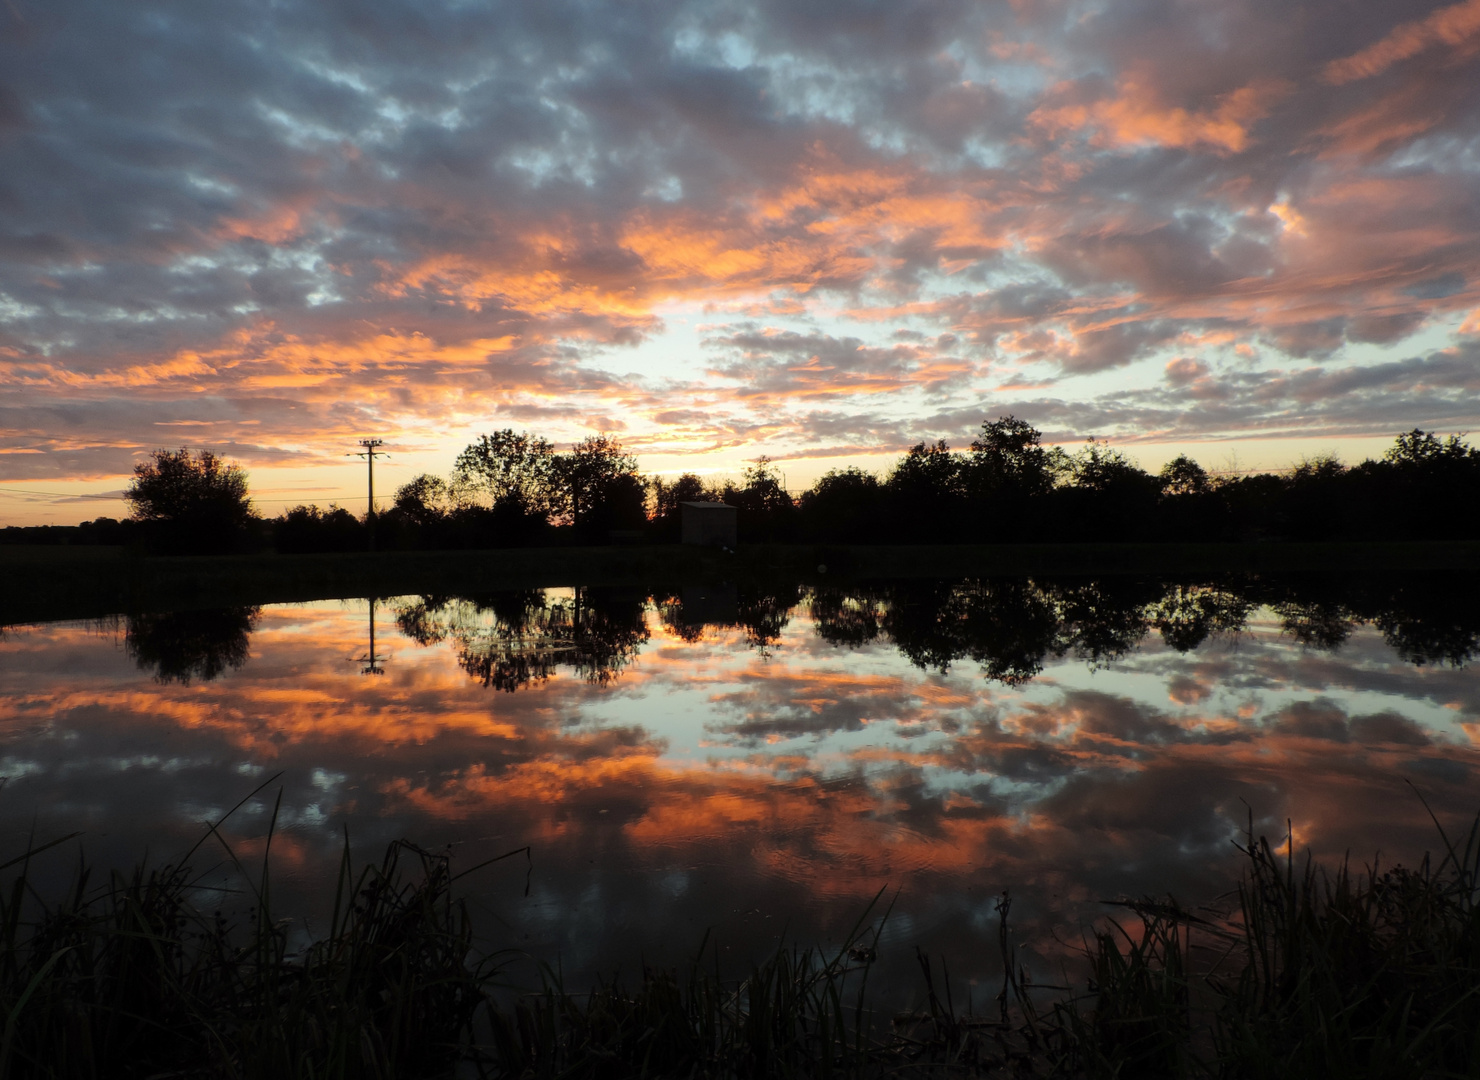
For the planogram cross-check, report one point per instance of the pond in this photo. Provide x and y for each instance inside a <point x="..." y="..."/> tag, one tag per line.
<point x="760" y="760"/>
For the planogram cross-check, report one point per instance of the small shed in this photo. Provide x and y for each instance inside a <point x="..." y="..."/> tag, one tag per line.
<point x="708" y="523"/>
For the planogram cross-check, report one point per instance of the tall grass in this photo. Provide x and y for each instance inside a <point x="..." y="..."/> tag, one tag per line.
<point x="1318" y="972"/>
<point x="1313" y="973"/>
<point x="133" y="979"/>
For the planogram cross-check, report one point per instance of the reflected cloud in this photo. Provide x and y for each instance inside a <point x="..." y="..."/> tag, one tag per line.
<point x="691" y="761"/>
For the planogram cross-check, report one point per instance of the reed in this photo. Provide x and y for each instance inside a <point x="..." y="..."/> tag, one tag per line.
<point x="1318" y="972"/>
<point x="133" y="979"/>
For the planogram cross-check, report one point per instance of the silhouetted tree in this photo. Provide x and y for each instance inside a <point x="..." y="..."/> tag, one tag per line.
<point x="843" y="506"/>
<point x="668" y="498"/>
<point x="1007" y="458"/>
<point x="926" y="494"/>
<point x="765" y="510"/>
<point x="190" y="503"/>
<point x="425" y="501"/>
<point x="1419" y="450"/>
<point x="510" y="465"/>
<point x="1007" y="476"/>
<point x="599" y="487"/>
<point x="1183" y="476"/>
<point x="1192" y="507"/>
<point x="1316" y="500"/>
<point x="668" y="495"/>
<point x="1108" y="497"/>
<point x="307" y="530"/>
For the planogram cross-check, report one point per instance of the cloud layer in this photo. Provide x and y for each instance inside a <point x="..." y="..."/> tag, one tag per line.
<point x="805" y="229"/>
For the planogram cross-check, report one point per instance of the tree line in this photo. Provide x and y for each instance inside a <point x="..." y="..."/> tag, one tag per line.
<point x="514" y="489"/>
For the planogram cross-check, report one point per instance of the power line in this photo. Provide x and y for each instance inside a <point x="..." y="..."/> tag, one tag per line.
<point x="60" y="494"/>
<point x="120" y="497"/>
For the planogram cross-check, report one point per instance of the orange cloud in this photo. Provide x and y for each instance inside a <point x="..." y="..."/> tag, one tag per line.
<point x="1138" y="116"/>
<point x="1457" y="26"/>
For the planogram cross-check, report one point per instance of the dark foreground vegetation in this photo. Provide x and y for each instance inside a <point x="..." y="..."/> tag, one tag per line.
<point x="1309" y="972"/>
<point x="513" y="489"/>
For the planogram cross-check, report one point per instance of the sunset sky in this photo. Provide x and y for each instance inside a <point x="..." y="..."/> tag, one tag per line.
<point x="815" y="229"/>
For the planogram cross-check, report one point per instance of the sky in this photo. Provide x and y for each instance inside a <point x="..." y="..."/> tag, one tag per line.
<point x="817" y="230"/>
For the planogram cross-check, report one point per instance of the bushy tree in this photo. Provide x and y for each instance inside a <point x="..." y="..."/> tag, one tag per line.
<point x="599" y="486"/>
<point x="511" y="466"/>
<point x="764" y="490"/>
<point x="1098" y="466"/>
<point x="183" y="645"/>
<point x="928" y="471"/>
<point x="307" y="530"/>
<point x="669" y="495"/>
<point x="1418" y="448"/>
<point x="843" y="506"/>
<point x="1007" y="457"/>
<point x="1183" y="476"/>
<point x="1109" y="497"/>
<point x="766" y="509"/>
<point x="926" y="494"/>
<point x="190" y="503"/>
<point x="425" y="500"/>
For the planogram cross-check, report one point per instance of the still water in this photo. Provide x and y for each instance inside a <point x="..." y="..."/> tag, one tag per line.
<point x="761" y="760"/>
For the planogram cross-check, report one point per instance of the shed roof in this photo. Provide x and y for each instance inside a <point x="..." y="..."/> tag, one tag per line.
<point x="708" y="505"/>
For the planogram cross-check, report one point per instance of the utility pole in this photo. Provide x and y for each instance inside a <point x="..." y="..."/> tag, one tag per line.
<point x="370" y="453"/>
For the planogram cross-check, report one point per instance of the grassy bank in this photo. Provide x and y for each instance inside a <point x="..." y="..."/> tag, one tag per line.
<point x="81" y="582"/>
<point x="1313" y="973"/>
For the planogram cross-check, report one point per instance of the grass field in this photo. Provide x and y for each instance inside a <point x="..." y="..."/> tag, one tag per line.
<point x="80" y="582"/>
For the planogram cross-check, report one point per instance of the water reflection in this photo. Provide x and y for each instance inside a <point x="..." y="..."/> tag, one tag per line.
<point x="182" y="645"/>
<point x="1010" y="627"/>
<point x="512" y="640"/>
<point x="373" y="661"/>
<point x="746" y="756"/>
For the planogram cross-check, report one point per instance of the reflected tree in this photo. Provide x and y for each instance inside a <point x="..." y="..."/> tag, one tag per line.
<point x="607" y="628"/>
<point x="765" y="610"/>
<point x="698" y="607"/>
<point x="1189" y="614"/>
<point x="926" y="622"/>
<point x="1431" y="640"/>
<point x="1104" y="620"/>
<point x="672" y="615"/>
<point x="1011" y="626"/>
<point x="512" y="639"/>
<point x="418" y="619"/>
<point x="1316" y="624"/>
<point x="848" y="619"/>
<point x="183" y="645"/>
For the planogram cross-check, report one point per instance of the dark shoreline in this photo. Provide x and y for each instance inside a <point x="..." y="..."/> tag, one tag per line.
<point x="46" y="583"/>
